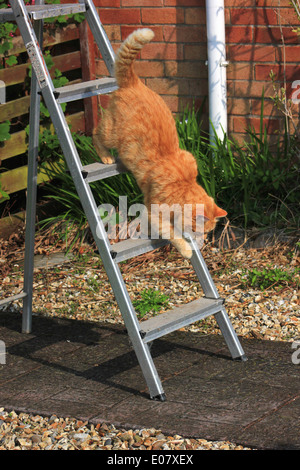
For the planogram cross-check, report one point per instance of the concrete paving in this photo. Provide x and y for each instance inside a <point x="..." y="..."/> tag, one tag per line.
<point x="89" y="371"/>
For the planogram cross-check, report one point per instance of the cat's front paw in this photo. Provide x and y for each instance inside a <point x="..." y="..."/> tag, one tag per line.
<point x="108" y="160"/>
<point x="185" y="250"/>
<point x="187" y="253"/>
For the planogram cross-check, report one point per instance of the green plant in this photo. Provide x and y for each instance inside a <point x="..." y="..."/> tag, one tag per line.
<point x="257" y="181"/>
<point x="269" y="277"/>
<point x="151" y="300"/>
<point x="7" y="31"/>
<point x="63" y="20"/>
<point x="58" y="81"/>
<point x="4" y="131"/>
<point x="3" y="195"/>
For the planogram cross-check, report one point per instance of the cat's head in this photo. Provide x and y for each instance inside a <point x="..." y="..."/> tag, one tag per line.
<point x="206" y="218"/>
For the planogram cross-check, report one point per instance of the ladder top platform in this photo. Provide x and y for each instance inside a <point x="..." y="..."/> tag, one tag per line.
<point x="39" y="12"/>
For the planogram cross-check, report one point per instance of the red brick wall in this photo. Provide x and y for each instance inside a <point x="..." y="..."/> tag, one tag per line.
<point x="174" y="63"/>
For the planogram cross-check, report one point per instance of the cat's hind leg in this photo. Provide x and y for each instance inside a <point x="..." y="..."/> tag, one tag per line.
<point x="101" y="150"/>
<point x="102" y="137"/>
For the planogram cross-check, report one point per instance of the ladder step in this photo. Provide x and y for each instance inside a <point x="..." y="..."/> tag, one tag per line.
<point x="12" y="298"/>
<point x="40" y="12"/>
<point x="78" y="91"/>
<point x="179" y="317"/>
<point x="99" y="171"/>
<point x="130" y="248"/>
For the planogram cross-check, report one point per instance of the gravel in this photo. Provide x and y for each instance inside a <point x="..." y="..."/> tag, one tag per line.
<point x="80" y="290"/>
<point x="33" y="432"/>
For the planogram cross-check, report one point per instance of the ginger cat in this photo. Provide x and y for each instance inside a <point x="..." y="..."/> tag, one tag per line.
<point x="141" y="127"/>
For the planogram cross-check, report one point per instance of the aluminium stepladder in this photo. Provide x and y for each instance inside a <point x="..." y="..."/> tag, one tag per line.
<point x="140" y="334"/>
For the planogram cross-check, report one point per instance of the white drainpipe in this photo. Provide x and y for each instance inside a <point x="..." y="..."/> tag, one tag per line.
<point x="215" y="24"/>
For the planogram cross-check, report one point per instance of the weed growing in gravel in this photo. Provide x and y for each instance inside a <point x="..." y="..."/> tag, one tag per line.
<point x="270" y="277"/>
<point x="151" y="300"/>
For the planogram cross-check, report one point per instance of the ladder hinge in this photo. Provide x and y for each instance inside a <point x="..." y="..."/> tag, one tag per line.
<point x="113" y="254"/>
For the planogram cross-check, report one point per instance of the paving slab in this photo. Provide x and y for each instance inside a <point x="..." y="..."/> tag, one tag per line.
<point x="90" y="372"/>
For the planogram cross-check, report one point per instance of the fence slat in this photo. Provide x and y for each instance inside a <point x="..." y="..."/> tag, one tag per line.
<point x="16" y="180"/>
<point x="18" y="73"/>
<point x="69" y="33"/>
<point x="15" y="108"/>
<point x="18" y="144"/>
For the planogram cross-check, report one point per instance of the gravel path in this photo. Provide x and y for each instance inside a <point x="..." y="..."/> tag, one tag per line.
<point x="80" y="290"/>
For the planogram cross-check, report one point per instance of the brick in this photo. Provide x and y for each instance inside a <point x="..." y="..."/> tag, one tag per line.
<point x="149" y="68"/>
<point x="185" y="69"/>
<point x="198" y="87"/>
<point x="253" y="16"/>
<point x="269" y="108"/>
<point x="272" y="34"/>
<point x="291" y="72"/>
<point x="237" y="3"/>
<point x="103" y="101"/>
<point x="195" y="16"/>
<point x="240" y="71"/>
<point x="288" y="17"/>
<point x="185" y="34"/>
<point x="158" y="32"/>
<point x="142" y="3"/>
<point x="262" y="72"/>
<point x="120" y="16"/>
<point x="238" y="106"/>
<point x="115" y="46"/>
<point x="101" y="69"/>
<point x="113" y="32"/>
<point x="240" y="124"/>
<point x="292" y="53"/>
<point x="239" y="34"/>
<point x="195" y="52"/>
<point x="252" y="89"/>
<point x="165" y="86"/>
<point x="108" y="3"/>
<point x="162" y="15"/>
<point x="252" y="53"/>
<point x="173" y="102"/>
<point x="184" y="3"/>
<point x="273" y="3"/>
<point x="162" y="51"/>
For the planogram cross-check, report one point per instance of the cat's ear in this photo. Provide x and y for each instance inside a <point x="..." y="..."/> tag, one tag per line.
<point x="220" y="212"/>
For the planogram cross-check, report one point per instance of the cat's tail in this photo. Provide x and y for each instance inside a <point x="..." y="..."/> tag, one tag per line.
<point x="126" y="55"/>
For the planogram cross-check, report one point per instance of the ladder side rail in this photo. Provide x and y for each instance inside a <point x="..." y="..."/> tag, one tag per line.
<point x="230" y="335"/>
<point x="100" y="35"/>
<point x="201" y="270"/>
<point x="33" y="149"/>
<point x="210" y="291"/>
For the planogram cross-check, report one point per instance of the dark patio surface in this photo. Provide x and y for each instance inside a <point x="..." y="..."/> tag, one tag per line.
<point x="90" y="372"/>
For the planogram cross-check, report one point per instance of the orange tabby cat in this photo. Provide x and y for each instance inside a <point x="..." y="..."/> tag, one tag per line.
<point x="141" y="127"/>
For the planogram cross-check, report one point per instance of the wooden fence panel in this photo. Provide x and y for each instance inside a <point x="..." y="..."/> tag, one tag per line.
<point x="66" y="59"/>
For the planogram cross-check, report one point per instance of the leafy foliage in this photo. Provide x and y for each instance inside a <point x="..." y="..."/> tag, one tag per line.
<point x="256" y="181"/>
<point x="269" y="277"/>
<point x="151" y="300"/>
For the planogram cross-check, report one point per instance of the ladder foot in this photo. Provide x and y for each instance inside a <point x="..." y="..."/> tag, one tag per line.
<point x="160" y="397"/>
<point x="242" y="358"/>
